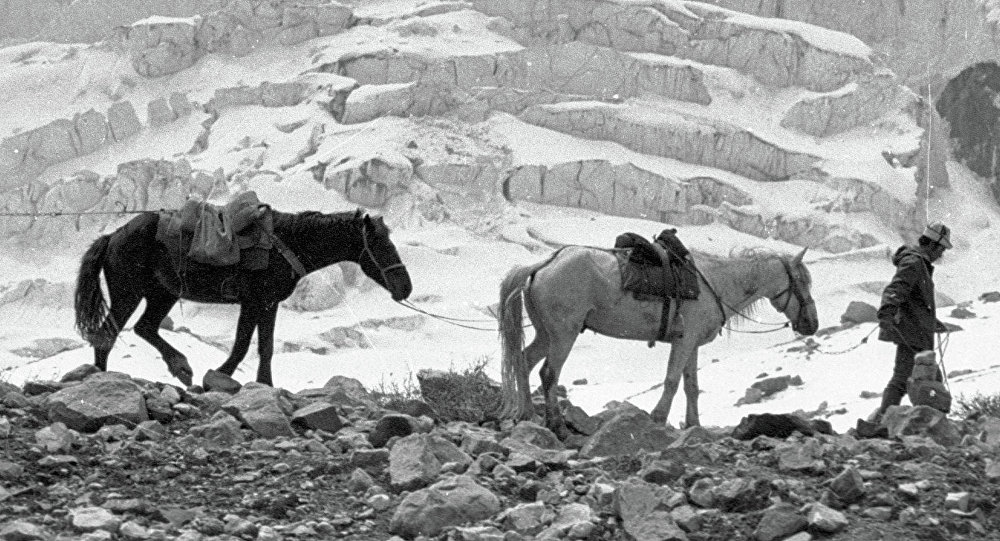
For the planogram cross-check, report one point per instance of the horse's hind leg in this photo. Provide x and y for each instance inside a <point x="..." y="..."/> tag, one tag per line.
<point x="122" y="304"/>
<point x="159" y="301"/>
<point x="691" y="390"/>
<point x="559" y="349"/>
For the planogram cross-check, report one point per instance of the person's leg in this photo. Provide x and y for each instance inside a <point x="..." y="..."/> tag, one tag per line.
<point x="896" y="389"/>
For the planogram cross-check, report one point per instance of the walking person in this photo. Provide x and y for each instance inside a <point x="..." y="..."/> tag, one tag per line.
<point x="907" y="314"/>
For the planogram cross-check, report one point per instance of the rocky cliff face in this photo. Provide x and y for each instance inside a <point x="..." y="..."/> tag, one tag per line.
<point x="670" y="85"/>
<point x="925" y="43"/>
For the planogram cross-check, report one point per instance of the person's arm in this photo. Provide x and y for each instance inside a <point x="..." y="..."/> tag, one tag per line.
<point x="899" y="289"/>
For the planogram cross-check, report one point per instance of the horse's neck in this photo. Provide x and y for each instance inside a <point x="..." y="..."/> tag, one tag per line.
<point x="741" y="282"/>
<point x="318" y="244"/>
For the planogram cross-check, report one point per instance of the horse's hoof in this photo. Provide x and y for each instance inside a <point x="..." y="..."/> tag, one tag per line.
<point x="217" y="381"/>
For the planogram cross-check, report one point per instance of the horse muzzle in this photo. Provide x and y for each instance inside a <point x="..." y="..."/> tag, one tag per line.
<point x="400" y="285"/>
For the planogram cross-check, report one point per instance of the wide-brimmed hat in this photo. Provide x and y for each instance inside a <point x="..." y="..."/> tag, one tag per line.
<point x="939" y="233"/>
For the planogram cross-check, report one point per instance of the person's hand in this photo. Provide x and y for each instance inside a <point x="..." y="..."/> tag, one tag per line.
<point x="889" y="316"/>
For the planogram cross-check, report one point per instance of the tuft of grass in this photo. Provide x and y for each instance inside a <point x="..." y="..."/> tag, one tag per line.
<point x="467" y="395"/>
<point x="977" y="405"/>
<point x="393" y="391"/>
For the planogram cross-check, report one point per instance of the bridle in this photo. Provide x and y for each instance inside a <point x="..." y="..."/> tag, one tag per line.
<point x="366" y="249"/>
<point x="793" y="290"/>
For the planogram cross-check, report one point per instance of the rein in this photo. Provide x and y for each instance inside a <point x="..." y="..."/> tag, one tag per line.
<point x="792" y="289"/>
<point x="458" y="322"/>
<point x="366" y="249"/>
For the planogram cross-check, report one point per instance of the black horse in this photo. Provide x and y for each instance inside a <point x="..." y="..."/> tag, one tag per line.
<point x="137" y="266"/>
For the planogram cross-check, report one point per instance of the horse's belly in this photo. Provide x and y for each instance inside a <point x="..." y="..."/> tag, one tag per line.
<point x="626" y="318"/>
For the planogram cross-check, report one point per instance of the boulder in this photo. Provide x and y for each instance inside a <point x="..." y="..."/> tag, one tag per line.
<point x="318" y="416"/>
<point x="97" y="401"/>
<point x="859" y="312"/>
<point x="222" y="430"/>
<point x="772" y="425"/>
<point x="779" y="522"/>
<point x="416" y="460"/>
<point x="263" y="409"/>
<point x="921" y="421"/>
<point x="626" y="433"/>
<point x="643" y="507"/>
<point x="450" y="502"/>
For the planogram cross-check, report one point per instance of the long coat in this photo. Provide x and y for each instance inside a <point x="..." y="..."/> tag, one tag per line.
<point x="911" y="295"/>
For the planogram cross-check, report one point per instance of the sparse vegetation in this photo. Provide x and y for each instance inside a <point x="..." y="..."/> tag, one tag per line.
<point x="394" y="391"/>
<point x="977" y="405"/>
<point x="467" y="395"/>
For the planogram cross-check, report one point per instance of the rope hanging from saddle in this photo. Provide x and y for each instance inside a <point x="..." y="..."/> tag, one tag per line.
<point x="659" y="271"/>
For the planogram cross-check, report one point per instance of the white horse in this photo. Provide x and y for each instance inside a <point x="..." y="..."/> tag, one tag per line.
<point x="579" y="288"/>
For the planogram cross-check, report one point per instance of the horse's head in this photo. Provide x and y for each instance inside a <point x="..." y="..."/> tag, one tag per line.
<point x="380" y="261"/>
<point x="795" y="301"/>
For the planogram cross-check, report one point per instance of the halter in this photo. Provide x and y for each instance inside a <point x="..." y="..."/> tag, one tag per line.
<point x="367" y="250"/>
<point x="793" y="289"/>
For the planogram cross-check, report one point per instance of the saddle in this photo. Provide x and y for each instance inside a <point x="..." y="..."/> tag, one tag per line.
<point x="238" y="233"/>
<point x="659" y="271"/>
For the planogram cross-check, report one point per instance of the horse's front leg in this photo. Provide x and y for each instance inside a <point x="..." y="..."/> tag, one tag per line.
<point x="265" y="343"/>
<point x="680" y="352"/>
<point x="691" y="390"/>
<point x="558" y="352"/>
<point x="249" y="315"/>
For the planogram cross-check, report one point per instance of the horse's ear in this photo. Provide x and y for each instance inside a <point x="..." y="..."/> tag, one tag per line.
<point x="798" y="259"/>
<point x="358" y="213"/>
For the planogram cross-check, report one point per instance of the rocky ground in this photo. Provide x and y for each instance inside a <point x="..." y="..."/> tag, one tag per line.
<point x="104" y="456"/>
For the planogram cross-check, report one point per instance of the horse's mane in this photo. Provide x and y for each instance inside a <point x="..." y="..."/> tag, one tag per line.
<point x="310" y="220"/>
<point x="754" y="258"/>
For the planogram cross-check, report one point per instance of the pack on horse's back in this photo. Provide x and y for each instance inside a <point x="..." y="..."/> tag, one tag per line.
<point x="659" y="271"/>
<point x="238" y="232"/>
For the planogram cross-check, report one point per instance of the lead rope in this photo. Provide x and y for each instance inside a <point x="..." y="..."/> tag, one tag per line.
<point x="942" y="345"/>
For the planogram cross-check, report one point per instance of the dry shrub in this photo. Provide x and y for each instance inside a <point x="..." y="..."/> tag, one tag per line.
<point x="978" y="405"/>
<point x="469" y="395"/>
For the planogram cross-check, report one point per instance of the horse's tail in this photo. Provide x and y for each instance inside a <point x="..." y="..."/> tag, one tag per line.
<point x="91" y="308"/>
<point x="514" y="368"/>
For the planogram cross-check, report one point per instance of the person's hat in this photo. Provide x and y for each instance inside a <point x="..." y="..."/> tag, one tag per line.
<point x="939" y="233"/>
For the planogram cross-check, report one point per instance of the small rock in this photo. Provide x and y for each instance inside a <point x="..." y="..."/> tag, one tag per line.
<point x="826" y="520"/>
<point x="848" y="486"/>
<point x="88" y="519"/>
<point x="880" y="513"/>
<point x="217" y="381"/>
<point x="779" y="522"/>
<point x="957" y="500"/>
<point x="360" y="481"/>
<point x="133" y="531"/>
<point x="10" y="471"/>
<point x="19" y="530"/>
<point x="56" y="438"/>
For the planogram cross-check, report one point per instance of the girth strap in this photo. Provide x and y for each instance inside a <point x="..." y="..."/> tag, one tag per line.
<point x="289" y="255"/>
